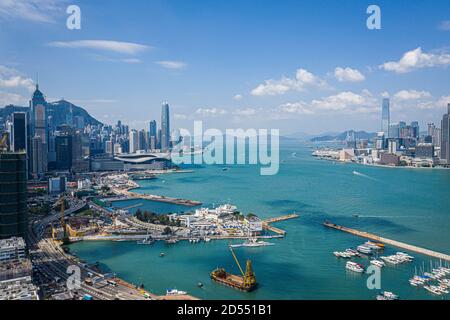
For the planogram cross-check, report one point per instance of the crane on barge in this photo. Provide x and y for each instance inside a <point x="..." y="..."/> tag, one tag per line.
<point x="246" y="282"/>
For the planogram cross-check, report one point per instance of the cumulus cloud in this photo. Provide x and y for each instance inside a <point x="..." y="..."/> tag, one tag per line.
<point x="11" y="78"/>
<point x="348" y="75"/>
<point x="405" y="95"/>
<point x="238" y="97"/>
<point x="104" y="45"/>
<point x="346" y="102"/>
<point x="245" y="112"/>
<point x="174" y="65"/>
<point x="417" y="59"/>
<point x="303" y="79"/>
<point x="11" y="98"/>
<point x="210" y="112"/>
<point x="32" y="10"/>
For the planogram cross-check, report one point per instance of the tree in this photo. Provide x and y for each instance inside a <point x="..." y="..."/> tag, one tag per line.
<point x="167" y="231"/>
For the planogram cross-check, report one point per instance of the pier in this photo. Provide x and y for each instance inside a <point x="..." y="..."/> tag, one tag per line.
<point x="266" y="223"/>
<point x="133" y="195"/>
<point x="394" y="243"/>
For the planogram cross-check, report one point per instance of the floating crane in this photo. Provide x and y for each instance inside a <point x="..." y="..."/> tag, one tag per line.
<point x="246" y="282"/>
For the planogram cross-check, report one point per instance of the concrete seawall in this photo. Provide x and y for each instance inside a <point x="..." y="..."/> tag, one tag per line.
<point x="394" y="243"/>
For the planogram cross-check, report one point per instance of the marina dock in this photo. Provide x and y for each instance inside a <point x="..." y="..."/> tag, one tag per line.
<point x="394" y="243"/>
<point x="266" y="223"/>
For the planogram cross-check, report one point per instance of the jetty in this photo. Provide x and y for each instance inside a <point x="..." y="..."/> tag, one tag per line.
<point x="394" y="243"/>
<point x="267" y="223"/>
<point x="133" y="195"/>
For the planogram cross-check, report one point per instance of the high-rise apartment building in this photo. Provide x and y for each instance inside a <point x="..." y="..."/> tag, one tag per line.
<point x="165" y="127"/>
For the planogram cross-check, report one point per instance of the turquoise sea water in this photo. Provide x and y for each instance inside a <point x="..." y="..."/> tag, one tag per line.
<point x="408" y="205"/>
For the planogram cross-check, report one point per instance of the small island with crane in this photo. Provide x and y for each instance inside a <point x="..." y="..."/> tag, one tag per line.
<point x="246" y="282"/>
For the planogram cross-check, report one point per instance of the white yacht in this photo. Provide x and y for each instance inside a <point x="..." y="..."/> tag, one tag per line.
<point x="175" y="292"/>
<point x="377" y="263"/>
<point x="353" y="266"/>
<point x="252" y="242"/>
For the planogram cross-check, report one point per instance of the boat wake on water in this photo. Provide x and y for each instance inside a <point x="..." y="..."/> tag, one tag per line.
<point x="359" y="174"/>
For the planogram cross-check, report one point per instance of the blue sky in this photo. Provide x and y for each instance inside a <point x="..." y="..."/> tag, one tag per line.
<point x="301" y="66"/>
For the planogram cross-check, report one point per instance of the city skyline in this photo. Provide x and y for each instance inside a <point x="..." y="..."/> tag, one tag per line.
<point x="301" y="87"/>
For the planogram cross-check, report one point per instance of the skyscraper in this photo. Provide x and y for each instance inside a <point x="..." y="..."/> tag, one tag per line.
<point x="152" y="135"/>
<point x="19" y="132"/>
<point x="39" y="131"/>
<point x="165" y="127"/>
<point x="385" y="117"/>
<point x="445" y="137"/>
<point x="134" y="144"/>
<point x="13" y="194"/>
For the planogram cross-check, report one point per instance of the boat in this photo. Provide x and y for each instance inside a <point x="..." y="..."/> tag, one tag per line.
<point x="252" y="242"/>
<point x="374" y="245"/>
<point x="389" y="295"/>
<point x="353" y="266"/>
<point x="148" y="240"/>
<point x="175" y="292"/>
<point x="162" y="254"/>
<point x="364" y="249"/>
<point x="377" y="263"/>
<point x="200" y="285"/>
<point x="433" y="290"/>
<point x="171" y="241"/>
<point x="207" y="239"/>
<point x="246" y="282"/>
<point x="194" y="240"/>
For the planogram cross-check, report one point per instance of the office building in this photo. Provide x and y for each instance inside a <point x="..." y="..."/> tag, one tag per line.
<point x="165" y="128"/>
<point x="39" y="130"/>
<point x="19" y="132"/>
<point x="385" y="117"/>
<point x="445" y="137"/>
<point x="134" y="143"/>
<point x="13" y="195"/>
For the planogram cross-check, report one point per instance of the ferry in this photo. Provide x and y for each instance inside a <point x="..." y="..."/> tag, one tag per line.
<point x="353" y="266"/>
<point x="252" y="242"/>
<point x="175" y="292"/>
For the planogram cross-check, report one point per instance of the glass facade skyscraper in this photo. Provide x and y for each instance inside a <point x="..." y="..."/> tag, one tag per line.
<point x="165" y="127"/>
<point x="445" y="137"/>
<point x="13" y="194"/>
<point x="385" y="117"/>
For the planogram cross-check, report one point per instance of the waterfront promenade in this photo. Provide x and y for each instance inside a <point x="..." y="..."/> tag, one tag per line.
<point x="395" y="243"/>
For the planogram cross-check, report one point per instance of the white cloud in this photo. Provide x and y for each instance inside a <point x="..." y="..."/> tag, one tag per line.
<point x="238" y="97"/>
<point x="11" y="78"/>
<point x="405" y="95"/>
<point x="11" y="98"/>
<point x="180" y="116"/>
<point x="104" y="45"/>
<point x="210" y="112"/>
<point x="32" y="10"/>
<point x="348" y="75"/>
<point x="303" y="78"/>
<point x="445" y="25"/>
<point x="345" y="102"/>
<point x="175" y="65"/>
<point x="108" y="59"/>
<point x="417" y="59"/>
<point x="245" y="112"/>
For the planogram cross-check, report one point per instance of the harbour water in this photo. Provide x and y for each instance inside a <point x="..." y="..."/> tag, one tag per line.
<point x="408" y="205"/>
